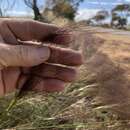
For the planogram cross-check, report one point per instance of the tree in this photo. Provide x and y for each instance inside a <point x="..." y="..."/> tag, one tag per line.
<point x="120" y="15"/>
<point x="122" y="8"/>
<point x="64" y="8"/>
<point x="6" y="5"/>
<point x="101" y="15"/>
<point x="33" y="4"/>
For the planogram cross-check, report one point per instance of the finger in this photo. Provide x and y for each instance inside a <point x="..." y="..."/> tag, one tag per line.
<point x="10" y="76"/>
<point x="60" y="37"/>
<point x="49" y="85"/>
<point x="7" y="34"/>
<point x="29" y="30"/>
<point x="65" y="56"/>
<point x="54" y="71"/>
<point x="60" y="55"/>
<point x="22" y="56"/>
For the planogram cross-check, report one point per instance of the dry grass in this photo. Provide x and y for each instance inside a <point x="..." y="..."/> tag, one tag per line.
<point x="98" y="100"/>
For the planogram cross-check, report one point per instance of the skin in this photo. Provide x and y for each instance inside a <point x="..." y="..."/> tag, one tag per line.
<point x="52" y="66"/>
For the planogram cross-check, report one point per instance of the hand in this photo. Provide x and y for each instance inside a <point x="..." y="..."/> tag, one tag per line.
<point x="53" y="64"/>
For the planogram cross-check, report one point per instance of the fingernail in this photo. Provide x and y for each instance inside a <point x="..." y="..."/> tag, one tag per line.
<point x="44" y="53"/>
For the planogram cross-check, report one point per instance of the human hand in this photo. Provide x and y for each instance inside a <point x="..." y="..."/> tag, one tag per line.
<point x="53" y="64"/>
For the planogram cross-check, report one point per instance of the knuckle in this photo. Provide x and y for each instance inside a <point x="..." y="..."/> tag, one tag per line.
<point x="23" y="52"/>
<point x="3" y="22"/>
<point x="3" y="27"/>
<point x="26" y="56"/>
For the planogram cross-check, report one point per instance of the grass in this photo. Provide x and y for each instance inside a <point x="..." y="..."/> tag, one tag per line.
<point x="68" y="110"/>
<point x="53" y="111"/>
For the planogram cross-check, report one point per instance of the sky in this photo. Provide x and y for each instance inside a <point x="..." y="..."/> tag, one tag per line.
<point x="86" y="10"/>
<point x="89" y="8"/>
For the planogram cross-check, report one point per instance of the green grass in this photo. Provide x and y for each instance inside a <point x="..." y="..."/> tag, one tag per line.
<point x="68" y="110"/>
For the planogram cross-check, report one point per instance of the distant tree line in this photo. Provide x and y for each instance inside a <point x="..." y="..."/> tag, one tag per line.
<point x="119" y="16"/>
<point x="68" y="9"/>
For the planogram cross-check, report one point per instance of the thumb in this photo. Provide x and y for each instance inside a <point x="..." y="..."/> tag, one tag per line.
<point x="22" y="55"/>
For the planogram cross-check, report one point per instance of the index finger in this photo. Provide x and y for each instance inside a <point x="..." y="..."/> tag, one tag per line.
<point x="28" y="30"/>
